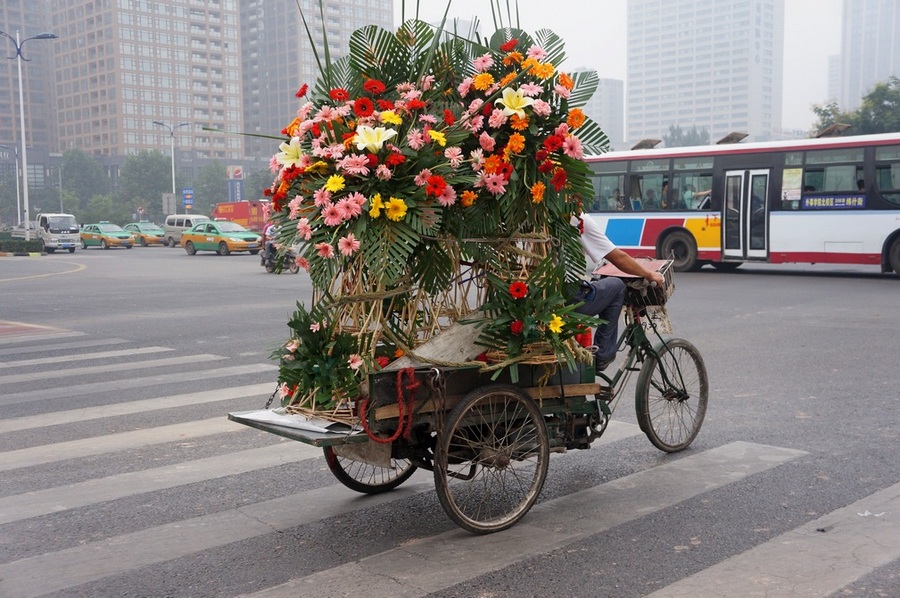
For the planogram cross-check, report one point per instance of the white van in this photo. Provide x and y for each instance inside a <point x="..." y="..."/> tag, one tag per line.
<point x="178" y="223"/>
<point x="57" y="231"/>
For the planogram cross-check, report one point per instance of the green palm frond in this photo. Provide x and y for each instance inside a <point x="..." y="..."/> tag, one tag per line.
<point x="586" y="83"/>
<point x="553" y="44"/>
<point x="593" y="139"/>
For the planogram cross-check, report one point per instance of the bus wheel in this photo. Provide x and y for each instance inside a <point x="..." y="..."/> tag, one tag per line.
<point x="680" y="248"/>
<point x="894" y="256"/>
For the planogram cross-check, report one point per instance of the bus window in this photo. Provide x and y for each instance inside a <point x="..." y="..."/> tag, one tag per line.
<point x="607" y="193"/>
<point x="887" y="173"/>
<point x="822" y="174"/>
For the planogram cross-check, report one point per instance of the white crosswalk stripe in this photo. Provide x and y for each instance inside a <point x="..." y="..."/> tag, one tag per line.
<point x="801" y="562"/>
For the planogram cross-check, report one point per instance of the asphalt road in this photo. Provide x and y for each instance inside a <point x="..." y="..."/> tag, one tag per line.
<point x="121" y="475"/>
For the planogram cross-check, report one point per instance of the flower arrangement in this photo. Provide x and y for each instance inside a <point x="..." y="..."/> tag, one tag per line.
<point x="414" y="154"/>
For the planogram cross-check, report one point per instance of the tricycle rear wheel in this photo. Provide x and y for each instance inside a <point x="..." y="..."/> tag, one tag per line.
<point x="491" y="459"/>
<point x="366" y="478"/>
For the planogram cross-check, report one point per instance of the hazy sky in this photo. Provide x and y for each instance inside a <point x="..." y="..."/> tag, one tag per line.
<point x="595" y="38"/>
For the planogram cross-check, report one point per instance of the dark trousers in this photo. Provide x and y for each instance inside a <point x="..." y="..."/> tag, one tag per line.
<point x="604" y="298"/>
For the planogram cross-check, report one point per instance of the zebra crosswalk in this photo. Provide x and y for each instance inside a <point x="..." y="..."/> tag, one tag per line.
<point x="161" y="495"/>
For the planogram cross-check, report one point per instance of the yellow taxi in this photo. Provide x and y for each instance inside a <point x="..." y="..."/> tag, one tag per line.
<point x="221" y="236"/>
<point x="105" y="235"/>
<point x="146" y="233"/>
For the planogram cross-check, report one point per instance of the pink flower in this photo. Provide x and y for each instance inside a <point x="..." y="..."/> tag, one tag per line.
<point x="325" y="250"/>
<point x="383" y="173"/>
<point x="427" y="82"/>
<point x="356" y="165"/>
<point x="494" y="183"/>
<point x="531" y="90"/>
<point x="284" y="390"/>
<point x="562" y="92"/>
<point x="357" y="198"/>
<point x="293" y="345"/>
<point x="464" y="87"/>
<point x="475" y="105"/>
<point x="332" y="214"/>
<point x="321" y="196"/>
<point x="274" y="164"/>
<point x="428" y="118"/>
<point x="315" y="327"/>
<point x="486" y="141"/>
<point x="448" y="197"/>
<point x="497" y="118"/>
<point x="303" y="229"/>
<point x="454" y="155"/>
<point x="537" y="52"/>
<point x="541" y="108"/>
<point x="416" y="139"/>
<point x="483" y="63"/>
<point x="572" y="147"/>
<point x="294" y="205"/>
<point x="302" y="262"/>
<point x="422" y="178"/>
<point x="562" y="130"/>
<point x="355" y="362"/>
<point x="348" y="208"/>
<point x="348" y="245"/>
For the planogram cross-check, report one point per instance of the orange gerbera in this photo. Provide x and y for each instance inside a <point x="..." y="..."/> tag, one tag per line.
<point x="492" y="163"/>
<point x="291" y="129"/>
<point x="516" y="143"/>
<point x="512" y="58"/>
<point x="508" y="78"/>
<point x="537" y="192"/>
<point x="566" y="81"/>
<point x="518" y="124"/>
<point x="467" y="198"/>
<point x="575" y="118"/>
<point x="482" y="81"/>
<point x="543" y="70"/>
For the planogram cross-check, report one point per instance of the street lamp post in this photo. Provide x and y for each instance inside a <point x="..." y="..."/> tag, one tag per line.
<point x="19" y="58"/>
<point x="18" y="195"/>
<point x="171" y="131"/>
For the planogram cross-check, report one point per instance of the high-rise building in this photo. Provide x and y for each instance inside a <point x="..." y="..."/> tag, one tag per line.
<point x="28" y="18"/>
<point x="713" y="64"/>
<point x="870" y="48"/>
<point x="123" y="64"/>
<point x="278" y="57"/>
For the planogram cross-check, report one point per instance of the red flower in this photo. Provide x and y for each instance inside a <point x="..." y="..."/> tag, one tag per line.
<point x="518" y="289"/>
<point x="415" y="104"/>
<point x="449" y="119"/>
<point x="435" y="186"/>
<point x="374" y="86"/>
<point x="385" y="104"/>
<point x="541" y="155"/>
<point x="516" y="327"/>
<point x="395" y="159"/>
<point x="363" y="107"/>
<point x="315" y="130"/>
<point x="505" y="169"/>
<point x="382" y="361"/>
<point x="508" y="46"/>
<point x="559" y="179"/>
<point x="372" y="160"/>
<point x="487" y="109"/>
<point x="546" y="166"/>
<point x="553" y="142"/>
<point x="339" y="94"/>
<point x="302" y="91"/>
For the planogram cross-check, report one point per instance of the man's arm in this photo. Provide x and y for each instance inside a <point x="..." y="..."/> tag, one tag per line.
<point x="629" y="265"/>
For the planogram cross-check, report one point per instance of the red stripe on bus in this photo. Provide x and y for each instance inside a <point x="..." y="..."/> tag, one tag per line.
<point x="654" y="226"/>
<point x="821" y="257"/>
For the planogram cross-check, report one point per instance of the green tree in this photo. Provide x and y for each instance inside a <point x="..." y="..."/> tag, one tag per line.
<point x="143" y="180"/>
<point x="680" y="138"/>
<point x="8" y="200"/>
<point x="210" y="185"/>
<point x="82" y="177"/>
<point x="105" y="207"/>
<point x="879" y="111"/>
<point x="256" y="181"/>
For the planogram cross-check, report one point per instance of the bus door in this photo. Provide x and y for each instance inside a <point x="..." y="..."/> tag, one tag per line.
<point x="745" y="214"/>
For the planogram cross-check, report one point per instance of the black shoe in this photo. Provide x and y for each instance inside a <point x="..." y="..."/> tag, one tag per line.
<point x="600" y="365"/>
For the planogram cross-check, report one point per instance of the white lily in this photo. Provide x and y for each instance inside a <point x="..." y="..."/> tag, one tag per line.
<point x="290" y="152"/>
<point x="514" y="102"/>
<point x="372" y="139"/>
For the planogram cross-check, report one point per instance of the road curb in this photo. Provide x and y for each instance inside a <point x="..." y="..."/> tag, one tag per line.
<point x="20" y="254"/>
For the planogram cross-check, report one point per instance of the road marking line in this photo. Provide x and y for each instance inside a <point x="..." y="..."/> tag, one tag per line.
<point x="71" y="496"/>
<point x="57" y="418"/>
<point x="48" y="394"/>
<point x="111" y="367"/>
<point x="805" y="561"/>
<point x="439" y="562"/>
<point x="100" y="445"/>
<point x="84" y="357"/>
<point x="414" y="570"/>
<point x="61" y="346"/>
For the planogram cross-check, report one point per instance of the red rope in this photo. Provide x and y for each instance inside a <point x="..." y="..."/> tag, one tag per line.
<point x="404" y="408"/>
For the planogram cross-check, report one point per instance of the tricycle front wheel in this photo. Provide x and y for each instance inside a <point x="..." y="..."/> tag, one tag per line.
<point x="491" y="459"/>
<point x="366" y="478"/>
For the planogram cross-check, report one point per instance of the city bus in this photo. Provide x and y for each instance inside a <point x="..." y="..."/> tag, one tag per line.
<point x="828" y="201"/>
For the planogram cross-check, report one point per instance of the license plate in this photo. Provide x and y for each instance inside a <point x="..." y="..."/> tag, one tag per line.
<point x="252" y="246"/>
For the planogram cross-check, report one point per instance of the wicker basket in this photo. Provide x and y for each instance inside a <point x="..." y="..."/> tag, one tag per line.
<point x="639" y="294"/>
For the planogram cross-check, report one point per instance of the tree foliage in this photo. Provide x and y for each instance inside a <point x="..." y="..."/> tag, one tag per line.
<point x="681" y="138"/>
<point x="82" y="178"/>
<point x="143" y="180"/>
<point x="879" y="111"/>
<point x="210" y="186"/>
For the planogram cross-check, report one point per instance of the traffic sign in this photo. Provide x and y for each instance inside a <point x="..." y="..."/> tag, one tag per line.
<point x="187" y="196"/>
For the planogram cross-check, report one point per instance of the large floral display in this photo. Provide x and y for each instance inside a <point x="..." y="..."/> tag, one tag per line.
<point x="430" y="181"/>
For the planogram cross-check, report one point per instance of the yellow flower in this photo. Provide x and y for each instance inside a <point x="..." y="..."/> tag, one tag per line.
<point x="316" y="167"/>
<point x="543" y="70"/>
<point x="391" y="118"/>
<point x="395" y="209"/>
<point x="514" y="102"/>
<point x="482" y="81"/>
<point x="372" y="140"/>
<point x="375" y="206"/>
<point x="437" y="137"/>
<point x="335" y="183"/>
<point x="556" y="324"/>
